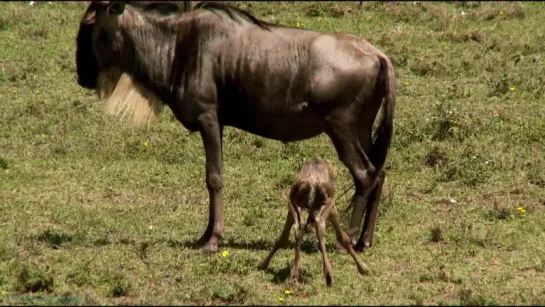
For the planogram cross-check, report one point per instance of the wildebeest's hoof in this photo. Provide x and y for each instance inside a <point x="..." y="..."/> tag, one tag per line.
<point x="361" y="246"/>
<point x="209" y="249"/>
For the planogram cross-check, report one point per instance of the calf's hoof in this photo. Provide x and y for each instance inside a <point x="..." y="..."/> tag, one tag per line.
<point x="294" y="276"/>
<point x="341" y="249"/>
<point x="364" y="270"/>
<point x="328" y="280"/>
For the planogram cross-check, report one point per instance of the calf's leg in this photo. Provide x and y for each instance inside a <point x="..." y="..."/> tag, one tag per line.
<point x="299" y="234"/>
<point x="319" y="223"/>
<point x="282" y="240"/>
<point x="343" y="239"/>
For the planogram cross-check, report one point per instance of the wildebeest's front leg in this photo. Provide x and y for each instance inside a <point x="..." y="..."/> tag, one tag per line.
<point x="211" y="133"/>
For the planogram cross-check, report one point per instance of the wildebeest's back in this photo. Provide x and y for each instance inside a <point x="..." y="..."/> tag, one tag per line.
<point x="279" y="83"/>
<point x="263" y="82"/>
<point x="344" y="66"/>
<point x="272" y="64"/>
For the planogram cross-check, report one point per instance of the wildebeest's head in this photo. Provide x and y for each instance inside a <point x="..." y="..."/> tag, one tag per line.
<point x="99" y="28"/>
<point x="103" y="52"/>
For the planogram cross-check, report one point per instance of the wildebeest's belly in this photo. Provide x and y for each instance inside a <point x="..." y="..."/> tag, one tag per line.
<point x="280" y="126"/>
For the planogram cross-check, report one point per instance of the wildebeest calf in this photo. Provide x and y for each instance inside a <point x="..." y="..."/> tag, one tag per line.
<point x="314" y="191"/>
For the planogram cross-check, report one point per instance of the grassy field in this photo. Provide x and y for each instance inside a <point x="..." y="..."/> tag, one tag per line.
<point x="94" y="211"/>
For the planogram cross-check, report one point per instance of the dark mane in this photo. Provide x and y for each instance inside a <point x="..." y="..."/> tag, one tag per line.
<point x="230" y="9"/>
<point x="162" y="7"/>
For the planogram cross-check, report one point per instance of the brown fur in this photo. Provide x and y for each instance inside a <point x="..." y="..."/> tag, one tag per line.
<point x="217" y="65"/>
<point x="314" y="191"/>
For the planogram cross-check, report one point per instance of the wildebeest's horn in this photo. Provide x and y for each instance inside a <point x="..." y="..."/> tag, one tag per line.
<point x="89" y="18"/>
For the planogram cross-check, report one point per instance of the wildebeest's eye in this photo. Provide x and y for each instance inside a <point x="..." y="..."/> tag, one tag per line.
<point x="116" y="7"/>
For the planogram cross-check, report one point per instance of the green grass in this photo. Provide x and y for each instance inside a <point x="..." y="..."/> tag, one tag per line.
<point x="88" y="214"/>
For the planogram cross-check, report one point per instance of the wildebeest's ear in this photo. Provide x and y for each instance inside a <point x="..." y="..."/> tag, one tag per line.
<point x="116" y="7"/>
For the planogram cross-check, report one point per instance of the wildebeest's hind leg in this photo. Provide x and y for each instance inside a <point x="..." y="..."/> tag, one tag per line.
<point x="342" y="130"/>
<point x="373" y="199"/>
<point x="368" y="231"/>
<point x="211" y="134"/>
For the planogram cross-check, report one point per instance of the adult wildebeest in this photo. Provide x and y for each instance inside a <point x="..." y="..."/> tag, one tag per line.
<point x="217" y="65"/>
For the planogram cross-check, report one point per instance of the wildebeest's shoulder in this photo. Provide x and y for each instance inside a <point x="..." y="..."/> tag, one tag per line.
<point x="233" y="12"/>
<point x="213" y="21"/>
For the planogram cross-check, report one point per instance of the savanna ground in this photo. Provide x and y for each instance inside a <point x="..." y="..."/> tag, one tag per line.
<point x="94" y="211"/>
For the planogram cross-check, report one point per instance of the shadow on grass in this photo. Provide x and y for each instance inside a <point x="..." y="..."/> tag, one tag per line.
<point x="307" y="247"/>
<point x="282" y="275"/>
<point x="56" y="240"/>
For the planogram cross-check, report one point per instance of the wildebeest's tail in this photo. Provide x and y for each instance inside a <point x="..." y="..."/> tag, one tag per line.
<point x="386" y="89"/>
<point x="386" y="86"/>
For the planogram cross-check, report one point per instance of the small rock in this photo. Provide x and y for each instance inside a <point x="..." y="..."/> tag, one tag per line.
<point x="448" y="201"/>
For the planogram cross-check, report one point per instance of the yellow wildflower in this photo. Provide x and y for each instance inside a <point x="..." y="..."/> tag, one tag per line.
<point x="443" y="44"/>
<point x="287" y="292"/>
<point x="406" y="83"/>
<point x="512" y="88"/>
<point x="225" y="253"/>
<point x="146" y="143"/>
<point x="500" y="13"/>
<point x="15" y="91"/>
<point x="521" y="209"/>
